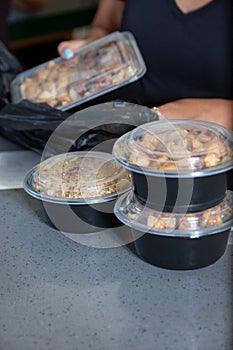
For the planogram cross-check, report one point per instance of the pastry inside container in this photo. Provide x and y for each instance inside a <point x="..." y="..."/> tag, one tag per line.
<point x="174" y="240"/>
<point x="96" y="69"/>
<point x="175" y="163"/>
<point x="78" y="189"/>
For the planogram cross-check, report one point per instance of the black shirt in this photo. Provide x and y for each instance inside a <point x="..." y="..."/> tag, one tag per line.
<point x="187" y="55"/>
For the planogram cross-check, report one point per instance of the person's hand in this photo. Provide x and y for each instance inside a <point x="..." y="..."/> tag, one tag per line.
<point x="67" y="49"/>
<point x="107" y="19"/>
<point x="218" y="111"/>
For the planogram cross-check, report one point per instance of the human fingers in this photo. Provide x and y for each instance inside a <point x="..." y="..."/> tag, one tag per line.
<point x="67" y="49"/>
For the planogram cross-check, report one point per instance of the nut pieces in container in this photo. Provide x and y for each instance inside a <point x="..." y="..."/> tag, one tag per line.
<point x="79" y="189"/>
<point x="96" y="69"/>
<point x="175" y="163"/>
<point x="179" y="241"/>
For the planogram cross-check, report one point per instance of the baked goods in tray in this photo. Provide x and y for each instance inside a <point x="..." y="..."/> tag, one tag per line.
<point x="95" y="69"/>
<point x="48" y="84"/>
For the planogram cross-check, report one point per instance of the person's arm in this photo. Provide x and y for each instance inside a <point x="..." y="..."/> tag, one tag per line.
<point x="106" y="20"/>
<point x="219" y="111"/>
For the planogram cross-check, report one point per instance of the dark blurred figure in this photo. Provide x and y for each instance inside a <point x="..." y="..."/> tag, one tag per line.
<point x="29" y="5"/>
<point x="20" y="5"/>
<point x="5" y="6"/>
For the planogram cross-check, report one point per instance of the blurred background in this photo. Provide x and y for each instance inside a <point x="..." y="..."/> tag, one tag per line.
<point x="34" y="28"/>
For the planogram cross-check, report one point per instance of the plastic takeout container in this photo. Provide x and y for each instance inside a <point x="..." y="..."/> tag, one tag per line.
<point x="96" y="69"/>
<point x="79" y="189"/>
<point x="178" y="164"/>
<point x="174" y="240"/>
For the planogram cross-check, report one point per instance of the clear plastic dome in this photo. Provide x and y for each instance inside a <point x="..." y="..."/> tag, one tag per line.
<point x="78" y="177"/>
<point x="144" y="219"/>
<point x="178" y="146"/>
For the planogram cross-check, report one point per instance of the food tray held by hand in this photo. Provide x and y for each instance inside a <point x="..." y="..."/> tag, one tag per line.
<point x="96" y="69"/>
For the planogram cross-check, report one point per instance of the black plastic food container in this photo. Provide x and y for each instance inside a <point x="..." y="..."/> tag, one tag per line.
<point x="230" y="180"/>
<point x="177" y="241"/>
<point x="78" y="190"/>
<point x="181" y="253"/>
<point x="180" y="194"/>
<point x="86" y="218"/>
<point x="177" y="165"/>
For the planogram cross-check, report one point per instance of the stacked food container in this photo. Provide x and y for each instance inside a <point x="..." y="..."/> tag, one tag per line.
<point x="179" y="210"/>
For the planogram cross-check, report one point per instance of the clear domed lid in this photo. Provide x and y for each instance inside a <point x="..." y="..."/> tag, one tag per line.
<point x="78" y="177"/>
<point x="144" y="219"/>
<point x="179" y="146"/>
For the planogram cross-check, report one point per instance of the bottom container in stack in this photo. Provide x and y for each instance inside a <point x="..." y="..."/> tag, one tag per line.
<point x="174" y="240"/>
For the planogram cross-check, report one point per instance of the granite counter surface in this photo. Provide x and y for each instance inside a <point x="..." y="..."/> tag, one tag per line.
<point x="59" y="294"/>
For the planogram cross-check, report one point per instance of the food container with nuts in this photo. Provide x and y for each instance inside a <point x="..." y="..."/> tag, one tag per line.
<point x="78" y="190"/>
<point x="177" y="165"/>
<point x="174" y="240"/>
<point x="97" y="69"/>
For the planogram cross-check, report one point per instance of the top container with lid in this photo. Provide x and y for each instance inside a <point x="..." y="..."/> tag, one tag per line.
<point x="179" y="164"/>
<point x="96" y="69"/>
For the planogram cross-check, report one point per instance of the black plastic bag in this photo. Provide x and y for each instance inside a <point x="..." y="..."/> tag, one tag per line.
<point x="27" y="115"/>
<point x="9" y="68"/>
<point x="26" y="123"/>
<point x="30" y="124"/>
<point x="97" y="126"/>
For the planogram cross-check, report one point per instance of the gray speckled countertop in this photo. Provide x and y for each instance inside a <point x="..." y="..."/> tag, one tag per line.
<point x="56" y="294"/>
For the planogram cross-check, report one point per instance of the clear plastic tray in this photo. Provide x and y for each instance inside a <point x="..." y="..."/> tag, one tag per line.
<point x="141" y="218"/>
<point x="96" y="69"/>
<point x="78" y="177"/>
<point x="176" y="147"/>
